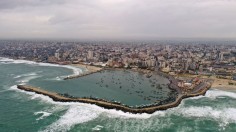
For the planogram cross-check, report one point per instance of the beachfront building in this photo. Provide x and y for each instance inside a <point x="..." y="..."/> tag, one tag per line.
<point x="90" y="54"/>
<point x="234" y="77"/>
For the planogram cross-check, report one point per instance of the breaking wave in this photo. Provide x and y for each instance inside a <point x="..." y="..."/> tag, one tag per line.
<point x="27" y="79"/>
<point x="74" y="115"/>
<point x="27" y="74"/>
<point x="97" y="128"/>
<point x="224" y="115"/>
<point x="76" y="71"/>
<point x="79" y="112"/>
<point x="44" y="114"/>
<point x="219" y="93"/>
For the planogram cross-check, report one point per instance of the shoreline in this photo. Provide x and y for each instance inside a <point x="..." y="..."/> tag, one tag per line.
<point x="223" y="84"/>
<point x="218" y="83"/>
<point x="113" y="105"/>
<point x="225" y="88"/>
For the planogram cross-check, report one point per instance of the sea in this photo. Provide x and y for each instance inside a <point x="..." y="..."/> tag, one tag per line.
<point x="22" y="111"/>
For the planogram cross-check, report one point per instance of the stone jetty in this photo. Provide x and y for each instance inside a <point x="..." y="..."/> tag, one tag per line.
<point x="82" y="74"/>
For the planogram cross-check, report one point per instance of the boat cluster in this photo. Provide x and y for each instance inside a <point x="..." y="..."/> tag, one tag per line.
<point x="110" y="79"/>
<point x="158" y="90"/>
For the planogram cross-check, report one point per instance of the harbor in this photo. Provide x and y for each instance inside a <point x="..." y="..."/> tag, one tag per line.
<point x="199" y="89"/>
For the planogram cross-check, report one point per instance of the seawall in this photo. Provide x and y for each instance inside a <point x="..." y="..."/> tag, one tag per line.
<point x="112" y="105"/>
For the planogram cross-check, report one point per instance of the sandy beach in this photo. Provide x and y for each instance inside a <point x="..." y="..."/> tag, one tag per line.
<point x="223" y="84"/>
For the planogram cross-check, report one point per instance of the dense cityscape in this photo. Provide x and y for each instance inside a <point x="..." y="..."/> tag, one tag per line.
<point x="196" y="58"/>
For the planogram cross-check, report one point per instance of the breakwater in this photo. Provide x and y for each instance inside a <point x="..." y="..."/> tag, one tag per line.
<point x="82" y="74"/>
<point x="113" y="105"/>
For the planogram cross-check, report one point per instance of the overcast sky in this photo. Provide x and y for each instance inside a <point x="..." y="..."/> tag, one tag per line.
<point x="117" y="19"/>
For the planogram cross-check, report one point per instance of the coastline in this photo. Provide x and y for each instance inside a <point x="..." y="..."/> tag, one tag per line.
<point x="223" y="84"/>
<point x="225" y="88"/>
<point x="90" y="69"/>
<point x="218" y="83"/>
<point x="113" y="105"/>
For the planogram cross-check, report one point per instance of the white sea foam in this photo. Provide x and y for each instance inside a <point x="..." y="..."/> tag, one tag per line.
<point x="76" y="70"/>
<point x="111" y="113"/>
<point x="196" y="97"/>
<point x="85" y="109"/>
<point x="97" y="128"/>
<point x="215" y="93"/>
<point x="219" y="93"/>
<point x="59" y="78"/>
<point x="80" y="112"/>
<point x="223" y="116"/>
<point x="27" y="74"/>
<point x="14" y="87"/>
<point x="3" y="63"/>
<point x="27" y="79"/>
<point x="3" y="91"/>
<point x="18" y="76"/>
<point x="44" y="114"/>
<point x="120" y="114"/>
<point x="2" y="59"/>
<point x="74" y="115"/>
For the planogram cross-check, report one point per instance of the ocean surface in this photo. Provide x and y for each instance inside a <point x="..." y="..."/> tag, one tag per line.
<point x="22" y="111"/>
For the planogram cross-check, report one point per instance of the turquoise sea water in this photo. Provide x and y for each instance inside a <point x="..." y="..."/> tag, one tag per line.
<point x="25" y="111"/>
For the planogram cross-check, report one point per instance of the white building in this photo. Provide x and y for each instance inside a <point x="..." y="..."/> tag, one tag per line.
<point x="57" y="55"/>
<point x="221" y="56"/>
<point x="90" y="54"/>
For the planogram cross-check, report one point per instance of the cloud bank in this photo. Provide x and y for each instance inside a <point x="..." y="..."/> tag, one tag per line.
<point x="117" y="19"/>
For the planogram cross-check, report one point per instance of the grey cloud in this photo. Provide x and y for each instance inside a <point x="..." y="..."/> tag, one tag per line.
<point x="109" y="19"/>
<point x="10" y="4"/>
